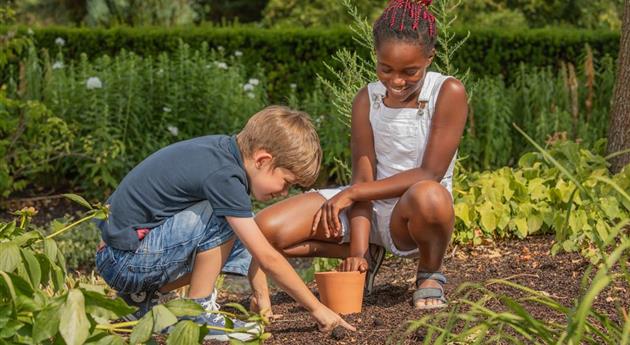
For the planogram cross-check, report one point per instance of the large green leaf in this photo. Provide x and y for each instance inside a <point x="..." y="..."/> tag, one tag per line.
<point x="10" y="328"/>
<point x="101" y="305"/>
<point x="162" y="318"/>
<point x="184" y="307"/>
<point x="9" y="256"/>
<point x="111" y="340"/>
<point x="32" y="267"/>
<point x="27" y="238"/>
<point x="50" y="250"/>
<point x="184" y="333"/>
<point x="142" y="331"/>
<point x="74" y="325"/>
<point x="46" y="323"/>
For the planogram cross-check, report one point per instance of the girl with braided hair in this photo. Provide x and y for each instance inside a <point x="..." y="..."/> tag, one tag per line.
<point x="405" y="131"/>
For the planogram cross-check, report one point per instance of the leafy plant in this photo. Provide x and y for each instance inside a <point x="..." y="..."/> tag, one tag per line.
<point x="40" y="303"/>
<point x="533" y="198"/>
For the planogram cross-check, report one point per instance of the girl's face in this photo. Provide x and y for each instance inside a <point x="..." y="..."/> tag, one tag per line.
<point x="401" y="67"/>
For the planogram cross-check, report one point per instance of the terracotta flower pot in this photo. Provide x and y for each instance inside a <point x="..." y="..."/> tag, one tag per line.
<point x="341" y="291"/>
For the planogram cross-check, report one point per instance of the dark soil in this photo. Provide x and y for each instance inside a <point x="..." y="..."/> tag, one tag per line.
<point x="385" y="312"/>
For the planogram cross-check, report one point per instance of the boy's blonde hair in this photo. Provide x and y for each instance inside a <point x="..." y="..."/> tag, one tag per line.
<point x="289" y="136"/>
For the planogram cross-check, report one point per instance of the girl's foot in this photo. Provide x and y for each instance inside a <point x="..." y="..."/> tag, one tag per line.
<point x="429" y="292"/>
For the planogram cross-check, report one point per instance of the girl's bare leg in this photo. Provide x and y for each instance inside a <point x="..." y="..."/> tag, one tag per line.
<point x="424" y="219"/>
<point x="288" y="227"/>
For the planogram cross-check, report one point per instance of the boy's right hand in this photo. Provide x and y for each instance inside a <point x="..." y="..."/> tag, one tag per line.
<point x="353" y="263"/>
<point x="327" y="320"/>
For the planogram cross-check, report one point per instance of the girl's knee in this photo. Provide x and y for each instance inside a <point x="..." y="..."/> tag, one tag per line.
<point x="431" y="201"/>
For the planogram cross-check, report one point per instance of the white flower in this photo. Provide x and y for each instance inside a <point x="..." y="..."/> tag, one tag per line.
<point x="60" y="41"/>
<point x="93" y="83"/>
<point x="57" y="65"/>
<point x="248" y="87"/>
<point x="253" y="81"/>
<point x="251" y="95"/>
<point x="222" y="65"/>
<point x="174" y="130"/>
<point x="220" y="48"/>
<point x="166" y="109"/>
<point x="293" y="86"/>
<point x="30" y="31"/>
<point x="238" y="53"/>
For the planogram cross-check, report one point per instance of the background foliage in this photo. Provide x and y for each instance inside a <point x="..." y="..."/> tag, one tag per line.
<point x="295" y="55"/>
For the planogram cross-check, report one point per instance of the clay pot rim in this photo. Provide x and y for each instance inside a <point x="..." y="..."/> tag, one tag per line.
<point x="339" y="273"/>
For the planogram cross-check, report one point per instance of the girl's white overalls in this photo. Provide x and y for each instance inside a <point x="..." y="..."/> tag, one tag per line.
<point x="400" y="138"/>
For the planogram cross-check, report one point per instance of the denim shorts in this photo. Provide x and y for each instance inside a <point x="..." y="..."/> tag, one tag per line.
<point x="167" y="252"/>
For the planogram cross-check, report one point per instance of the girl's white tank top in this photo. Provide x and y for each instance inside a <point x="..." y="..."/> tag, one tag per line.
<point x="401" y="136"/>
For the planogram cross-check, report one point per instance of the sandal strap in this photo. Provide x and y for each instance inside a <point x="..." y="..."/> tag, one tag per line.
<point x="429" y="293"/>
<point x="437" y="276"/>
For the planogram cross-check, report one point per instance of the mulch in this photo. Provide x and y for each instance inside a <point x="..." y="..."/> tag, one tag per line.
<point x="386" y="312"/>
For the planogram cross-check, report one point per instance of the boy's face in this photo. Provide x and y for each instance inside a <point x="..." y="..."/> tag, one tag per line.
<point x="268" y="182"/>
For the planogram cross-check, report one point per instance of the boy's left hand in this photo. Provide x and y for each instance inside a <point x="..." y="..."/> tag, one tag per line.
<point x="263" y="306"/>
<point x="353" y="263"/>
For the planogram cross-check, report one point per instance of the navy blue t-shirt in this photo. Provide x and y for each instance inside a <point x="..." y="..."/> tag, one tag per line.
<point x="173" y="179"/>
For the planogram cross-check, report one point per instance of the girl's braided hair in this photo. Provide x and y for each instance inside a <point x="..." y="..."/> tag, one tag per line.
<point x="408" y="21"/>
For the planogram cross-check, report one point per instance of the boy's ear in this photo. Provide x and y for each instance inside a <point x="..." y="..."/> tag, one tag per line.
<point x="261" y="158"/>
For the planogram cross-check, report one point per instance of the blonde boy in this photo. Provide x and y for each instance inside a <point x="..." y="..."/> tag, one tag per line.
<point x="184" y="214"/>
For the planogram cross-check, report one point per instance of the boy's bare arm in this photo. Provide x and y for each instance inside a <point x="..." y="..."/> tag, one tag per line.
<point x="260" y="300"/>
<point x="274" y="264"/>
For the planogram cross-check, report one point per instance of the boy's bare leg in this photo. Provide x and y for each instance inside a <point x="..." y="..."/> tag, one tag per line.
<point x="206" y="269"/>
<point x="424" y="219"/>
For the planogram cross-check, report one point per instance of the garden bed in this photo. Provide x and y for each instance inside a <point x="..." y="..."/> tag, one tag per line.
<point x="385" y="312"/>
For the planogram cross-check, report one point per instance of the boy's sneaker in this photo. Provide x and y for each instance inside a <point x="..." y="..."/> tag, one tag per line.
<point x="374" y="257"/>
<point x="144" y="301"/>
<point x="246" y="331"/>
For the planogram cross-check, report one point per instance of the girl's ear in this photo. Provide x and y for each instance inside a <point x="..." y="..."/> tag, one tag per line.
<point x="431" y="56"/>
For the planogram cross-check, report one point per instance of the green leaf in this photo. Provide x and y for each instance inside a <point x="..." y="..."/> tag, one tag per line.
<point x="184" y="333"/>
<point x="488" y="219"/>
<point x="74" y="325"/>
<point x="50" y="250"/>
<point x="9" y="256"/>
<point x="46" y="323"/>
<point x="162" y="318"/>
<point x="463" y="212"/>
<point x="99" y="304"/>
<point x="111" y="340"/>
<point x="6" y="230"/>
<point x="184" y="307"/>
<point x="238" y="307"/>
<point x="521" y="226"/>
<point x="32" y="267"/>
<point x="10" y="328"/>
<point x="534" y="222"/>
<point x="79" y="200"/>
<point x="27" y="238"/>
<point x="142" y="331"/>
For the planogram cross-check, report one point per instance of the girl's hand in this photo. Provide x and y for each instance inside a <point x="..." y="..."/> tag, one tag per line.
<point x="328" y="214"/>
<point x="353" y="263"/>
<point x="327" y="320"/>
